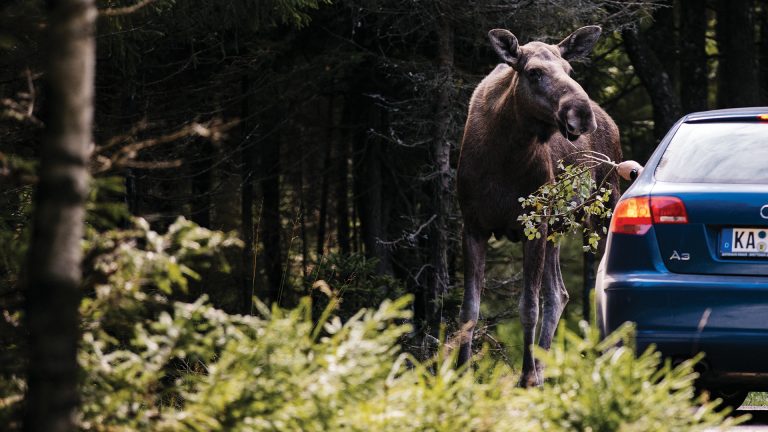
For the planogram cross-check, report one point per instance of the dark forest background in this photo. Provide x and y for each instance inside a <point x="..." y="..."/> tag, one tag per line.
<point x="325" y="133"/>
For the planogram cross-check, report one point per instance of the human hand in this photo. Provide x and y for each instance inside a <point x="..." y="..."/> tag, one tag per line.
<point x="626" y="169"/>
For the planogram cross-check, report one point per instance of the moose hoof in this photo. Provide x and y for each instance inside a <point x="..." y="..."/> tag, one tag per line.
<point x="531" y="379"/>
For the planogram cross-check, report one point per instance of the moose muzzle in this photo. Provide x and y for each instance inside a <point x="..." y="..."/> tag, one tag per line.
<point x="575" y="117"/>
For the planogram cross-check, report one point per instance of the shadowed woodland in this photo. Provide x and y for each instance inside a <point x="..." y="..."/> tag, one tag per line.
<point x="323" y="134"/>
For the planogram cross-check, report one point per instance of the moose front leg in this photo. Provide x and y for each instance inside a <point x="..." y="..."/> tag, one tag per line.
<point x="533" y="271"/>
<point x="554" y="294"/>
<point x="475" y="245"/>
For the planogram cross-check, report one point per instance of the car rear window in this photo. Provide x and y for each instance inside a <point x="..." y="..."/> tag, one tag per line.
<point x="716" y="153"/>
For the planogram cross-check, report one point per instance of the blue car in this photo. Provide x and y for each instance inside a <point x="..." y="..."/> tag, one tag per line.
<point x="687" y="253"/>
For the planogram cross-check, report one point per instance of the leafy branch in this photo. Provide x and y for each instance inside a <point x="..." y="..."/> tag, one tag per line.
<point x="570" y="201"/>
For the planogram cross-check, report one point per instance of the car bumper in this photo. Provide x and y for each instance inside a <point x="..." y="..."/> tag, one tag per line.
<point x="726" y="317"/>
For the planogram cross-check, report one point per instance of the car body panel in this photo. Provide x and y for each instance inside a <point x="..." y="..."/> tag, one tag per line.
<point x="711" y="208"/>
<point x="707" y="302"/>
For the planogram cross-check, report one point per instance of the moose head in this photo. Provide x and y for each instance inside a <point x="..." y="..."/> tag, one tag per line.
<point x="543" y="82"/>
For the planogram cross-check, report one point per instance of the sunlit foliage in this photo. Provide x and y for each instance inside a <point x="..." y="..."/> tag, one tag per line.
<point x="152" y="364"/>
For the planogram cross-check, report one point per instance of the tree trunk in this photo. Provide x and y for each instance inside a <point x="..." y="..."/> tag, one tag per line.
<point x="325" y="183"/>
<point x="303" y="227"/>
<point x="247" y="156"/>
<point x="666" y="105"/>
<point x="370" y="191"/>
<point x="202" y="178"/>
<point x="128" y="105"/>
<point x="763" y="54"/>
<point x="441" y="151"/>
<point x="355" y="222"/>
<point x="55" y="252"/>
<point x="664" y="41"/>
<point x="376" y="192"/>
<point x="357" y="143"/>
<point x="342" y="185"/>
<point x="304" y="234"/>
<point x="737" y="83"/>
<point x="270" y="224"/>
<point x="693" y="56"/>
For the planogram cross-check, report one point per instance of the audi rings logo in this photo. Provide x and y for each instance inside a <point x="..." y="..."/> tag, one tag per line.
<point x="764" y="211"/>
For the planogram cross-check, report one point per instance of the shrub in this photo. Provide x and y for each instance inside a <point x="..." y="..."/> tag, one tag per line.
<point x="169" y="366"/>
<point x="352" y="282"/>
<point x="604" y="386"/>
<point x="281" y="371"/>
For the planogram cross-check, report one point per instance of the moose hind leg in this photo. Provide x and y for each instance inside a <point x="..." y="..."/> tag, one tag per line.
<point x="475" y="246"/>
<point x="533" y="269"/>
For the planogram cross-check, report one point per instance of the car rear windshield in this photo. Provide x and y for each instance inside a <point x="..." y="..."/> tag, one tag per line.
<point x="730" y="152"/>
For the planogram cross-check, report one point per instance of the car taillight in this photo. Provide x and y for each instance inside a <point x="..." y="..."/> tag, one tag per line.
<point x="636" y="215"/>
<point x="632" y="216"/>
<point x="763" y="117"/>
<point x="668" y="210"/>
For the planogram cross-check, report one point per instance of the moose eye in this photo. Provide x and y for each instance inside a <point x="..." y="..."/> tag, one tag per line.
<point x="534" y="75"/>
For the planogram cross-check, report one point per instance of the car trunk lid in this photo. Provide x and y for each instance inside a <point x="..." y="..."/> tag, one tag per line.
<point x="726" y="230"/>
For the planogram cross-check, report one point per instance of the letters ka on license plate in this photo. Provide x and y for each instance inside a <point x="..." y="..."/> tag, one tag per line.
<point x="744" y="242"/>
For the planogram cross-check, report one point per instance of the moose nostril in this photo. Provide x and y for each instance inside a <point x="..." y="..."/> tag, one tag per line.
<point x="571" y="128"/>
<point x="584" y="129"/>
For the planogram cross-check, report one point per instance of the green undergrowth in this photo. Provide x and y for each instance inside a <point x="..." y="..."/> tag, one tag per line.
<point x="150" y="363"/>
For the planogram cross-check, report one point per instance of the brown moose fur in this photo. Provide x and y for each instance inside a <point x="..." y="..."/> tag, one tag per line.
<point x="520" y="118"/>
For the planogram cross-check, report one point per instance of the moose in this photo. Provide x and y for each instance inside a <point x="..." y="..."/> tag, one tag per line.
<point x="527" y="114"/>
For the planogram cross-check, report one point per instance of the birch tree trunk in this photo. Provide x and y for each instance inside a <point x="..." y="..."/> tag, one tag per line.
<point x="54" y="273"/>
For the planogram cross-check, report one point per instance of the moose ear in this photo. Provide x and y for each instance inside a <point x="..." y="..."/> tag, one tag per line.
<point x="580" y="42"/>
<point x="506" y="46"/>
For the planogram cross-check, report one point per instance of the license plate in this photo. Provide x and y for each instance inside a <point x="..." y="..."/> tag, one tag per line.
<point x="744" y="242"/>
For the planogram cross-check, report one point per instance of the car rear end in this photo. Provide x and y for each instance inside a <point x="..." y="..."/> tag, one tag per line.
<point x="687" y="253"/>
